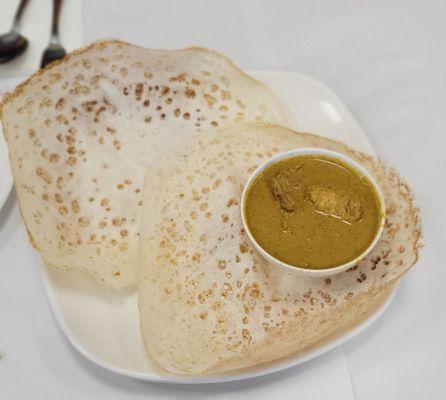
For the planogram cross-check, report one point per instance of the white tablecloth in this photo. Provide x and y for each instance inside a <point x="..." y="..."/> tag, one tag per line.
<point x="387" y="61"/>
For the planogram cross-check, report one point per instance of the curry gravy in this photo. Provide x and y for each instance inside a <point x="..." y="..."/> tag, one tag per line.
<point x="312" y="211"/>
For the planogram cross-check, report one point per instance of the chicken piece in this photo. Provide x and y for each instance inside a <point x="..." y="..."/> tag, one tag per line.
<point x="339" y="205"/>
<point x="281" y="189"/>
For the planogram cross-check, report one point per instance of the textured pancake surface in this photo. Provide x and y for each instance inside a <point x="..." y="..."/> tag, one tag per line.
<point x="209" y="302"/>
<point x="82" y="132"/>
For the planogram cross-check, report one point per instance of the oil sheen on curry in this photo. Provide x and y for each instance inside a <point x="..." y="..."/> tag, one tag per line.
<point x="312" y="211"/>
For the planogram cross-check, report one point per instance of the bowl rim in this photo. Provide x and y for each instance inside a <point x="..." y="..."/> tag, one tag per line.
<point x="324" y="152"/>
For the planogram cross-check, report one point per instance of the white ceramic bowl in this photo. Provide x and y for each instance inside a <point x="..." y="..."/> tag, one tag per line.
<point x="314" y="151"/>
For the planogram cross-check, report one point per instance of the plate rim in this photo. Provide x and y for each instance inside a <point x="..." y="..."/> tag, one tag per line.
<point x="327" y="344"/>
<point x="6" y="168"/>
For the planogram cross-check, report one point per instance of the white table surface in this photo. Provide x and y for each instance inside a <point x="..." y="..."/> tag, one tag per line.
<point x="387" y="61"/>
<point x="35" y="25"/>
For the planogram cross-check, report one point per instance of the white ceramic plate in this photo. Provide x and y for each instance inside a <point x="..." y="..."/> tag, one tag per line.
<point x="6" y="180"/>
<point x="104" y="324"/>
<point x="5" y="170"/>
